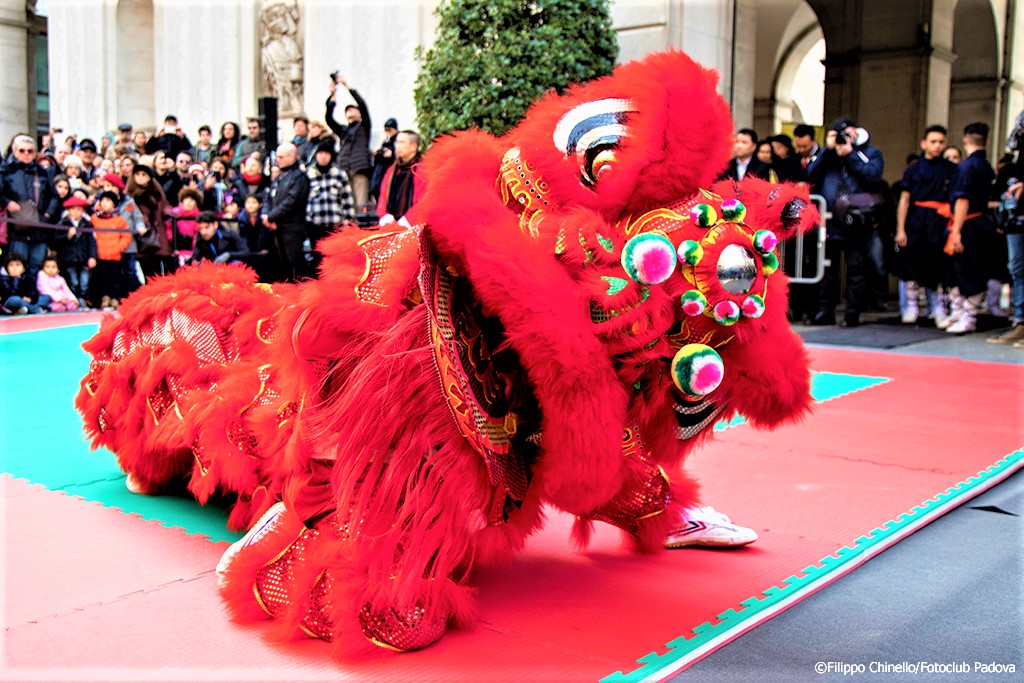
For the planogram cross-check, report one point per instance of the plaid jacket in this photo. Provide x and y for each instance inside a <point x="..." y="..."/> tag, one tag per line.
<point x="330" y="197"/>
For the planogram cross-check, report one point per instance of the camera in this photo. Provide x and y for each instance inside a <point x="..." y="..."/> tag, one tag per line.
<point x="334" y="76"/>
<point x="841" y="138"/>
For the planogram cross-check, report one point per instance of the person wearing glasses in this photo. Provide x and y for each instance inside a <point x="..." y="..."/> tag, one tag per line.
<point x="27" y="195"/>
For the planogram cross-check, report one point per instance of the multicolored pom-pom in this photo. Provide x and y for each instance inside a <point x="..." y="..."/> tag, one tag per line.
<point x="726" y="312"/>
<point x="704" y="215"/>
<point x="753" y="306"/>
<point x="693" y="302"/>
<point x="733" y="210"/>
<point x="649" y="258"/>
<point x="769" y="263"/>
<point x="697" y="369"/>
<point x="765" y="241"/>
<point x="690" y="252"/>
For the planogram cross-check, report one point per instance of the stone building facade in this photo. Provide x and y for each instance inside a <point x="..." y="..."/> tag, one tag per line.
<point x="895" y="67"/>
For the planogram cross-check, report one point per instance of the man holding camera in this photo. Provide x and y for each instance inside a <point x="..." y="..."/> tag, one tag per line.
<point x="845" y="173"/>
<point x="354" y="157"/>
<point x="170" y="138"/>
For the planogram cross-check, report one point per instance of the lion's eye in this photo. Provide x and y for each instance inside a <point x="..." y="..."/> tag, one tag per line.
<point x="603" y="160"/>
<point x="591" y="132"/>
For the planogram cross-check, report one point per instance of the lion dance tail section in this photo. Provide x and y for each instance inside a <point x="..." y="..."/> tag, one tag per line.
<point x="181" y="387"/>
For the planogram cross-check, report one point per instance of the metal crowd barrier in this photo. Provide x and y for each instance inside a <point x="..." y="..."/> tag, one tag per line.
<point x="803" y="257"/>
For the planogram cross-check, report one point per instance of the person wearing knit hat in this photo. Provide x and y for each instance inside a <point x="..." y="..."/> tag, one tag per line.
<point x="143" y="168"/>
<point x="112" y="238"/>
<point x="326" y="146"/>
<point x="112" y="196"/>
<point x="383" y="157"/>
<point x="329" y="204"/>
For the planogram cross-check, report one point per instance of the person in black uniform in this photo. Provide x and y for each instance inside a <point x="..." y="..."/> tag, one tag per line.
<point x="922" y="220"/>
<point x="971" y="232"/>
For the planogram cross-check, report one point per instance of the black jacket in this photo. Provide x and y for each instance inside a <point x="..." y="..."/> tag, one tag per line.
<point x="171" y="144"/>
<point x="355" y="137"/>
<point x="755" y="169"/>
<point x="19" y="182"/>
<point x="286" y="200"/>
<point x="77" y="250"/>
<point x="223" y="242"/>
<point x="18" y="286"/>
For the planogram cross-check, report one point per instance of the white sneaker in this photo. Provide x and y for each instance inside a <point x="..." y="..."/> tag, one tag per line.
<point x="705" y="526"/>
<point x="962" y="326"/>
<point x="135" y="486"/>
<point x="945" y="321"/>
<point x="262" y="526"/>
<point x="909" y="317"/>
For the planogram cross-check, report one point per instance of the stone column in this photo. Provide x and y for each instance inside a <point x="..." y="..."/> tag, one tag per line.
<point x="14" y="82"/>
<point x="82" y="92"/>
<point x="204" y="59"/>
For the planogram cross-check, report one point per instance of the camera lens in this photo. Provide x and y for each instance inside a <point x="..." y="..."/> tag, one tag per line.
<point x="840" y="138"/>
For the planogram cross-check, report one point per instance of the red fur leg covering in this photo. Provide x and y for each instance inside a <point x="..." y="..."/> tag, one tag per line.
<point x="648" y="506"/>
<point x="388" y="565"/>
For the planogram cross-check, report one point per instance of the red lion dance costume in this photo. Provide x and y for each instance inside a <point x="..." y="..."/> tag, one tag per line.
<point x="567" y="320"/>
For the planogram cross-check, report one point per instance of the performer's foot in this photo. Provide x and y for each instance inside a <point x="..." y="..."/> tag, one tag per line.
<point x="265" y="523"/>
<point x="135" y="486"/>
<point x="707" y="527"/>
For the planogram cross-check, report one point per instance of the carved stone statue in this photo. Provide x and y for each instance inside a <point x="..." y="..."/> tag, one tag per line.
<point x="281" y="53"/>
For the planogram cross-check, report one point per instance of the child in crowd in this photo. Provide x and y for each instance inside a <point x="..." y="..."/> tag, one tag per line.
<point x="251" y="227"/>
<point x="184" y="216"/>
<point x="62" y="187"/>
<point x="76" y="249"/>
<point x="50" y="283"/>
<point x="17" y="292"/>
<point x="109" y="247"/>
<point x="73" y="171"/>
<point x="229" y="214"/>
<point x="258" y="238"/>
<point x="203" y="151"/>
<point x="214" y="243"/>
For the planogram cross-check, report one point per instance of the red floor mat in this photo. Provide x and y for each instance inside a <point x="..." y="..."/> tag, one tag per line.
<point x="92" y="594"/>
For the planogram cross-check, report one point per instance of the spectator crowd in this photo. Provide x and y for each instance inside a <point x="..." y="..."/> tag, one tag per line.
<point x="82" y="225"/>
<point x="949" y="231"/>
<point x="87" y="223"/>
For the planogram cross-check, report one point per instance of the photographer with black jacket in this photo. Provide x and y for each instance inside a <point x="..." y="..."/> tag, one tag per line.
<point x="848" y="174"/>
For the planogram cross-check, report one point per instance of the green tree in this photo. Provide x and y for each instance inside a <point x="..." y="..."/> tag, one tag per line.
<point x="492" y="58"/>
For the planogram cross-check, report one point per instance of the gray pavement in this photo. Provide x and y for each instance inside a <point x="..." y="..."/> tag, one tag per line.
<point x="950" y="596"/>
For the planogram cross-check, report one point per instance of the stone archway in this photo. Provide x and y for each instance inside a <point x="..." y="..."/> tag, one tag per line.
<point x="135" y="71"/>
<point x="974" y="82"/>
<point x="790" y="78"/>
<point x="800" y="80"/>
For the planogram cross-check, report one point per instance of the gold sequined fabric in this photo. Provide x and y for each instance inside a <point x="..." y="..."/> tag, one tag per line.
<point x="379" y="250"/>
<point x="160" y="401"/>
<point x="402" y="630"/>
<point x="523" y="190"/>
<point x="472" y="388"/>
<point x="650" y="498"/>
<point x="268" y="329"/>
<point x="274" y="579"/>
<point x="210" y="344"/>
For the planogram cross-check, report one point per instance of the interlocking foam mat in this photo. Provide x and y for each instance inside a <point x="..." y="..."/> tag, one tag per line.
<point x="103" y="585"/>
